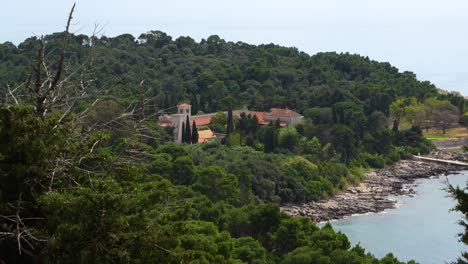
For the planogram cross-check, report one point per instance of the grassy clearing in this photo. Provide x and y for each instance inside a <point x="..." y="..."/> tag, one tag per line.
<point x="431" y="137"/>
<point x="452" y="133"/>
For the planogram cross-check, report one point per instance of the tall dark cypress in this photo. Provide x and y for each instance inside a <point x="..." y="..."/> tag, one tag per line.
<point x="166" y="103"/>
<point x="269" y="138"/>
<point x="194" y="133"/>
<point x="183" y="133"/>
<point x="188" y="132"/>
<point x="194" y="102"/>
<point x="202" y="103"/>
<point x="230" y="122"/>
<point x="278" y="124"/>
<point x="209" y="104"/>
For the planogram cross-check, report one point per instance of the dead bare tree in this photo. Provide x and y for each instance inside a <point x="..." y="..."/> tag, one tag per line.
<point x="58" y="87"/>
<point x="47" y="91"/>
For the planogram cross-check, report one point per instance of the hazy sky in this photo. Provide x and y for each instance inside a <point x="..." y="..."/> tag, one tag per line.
<point x="427" y="37"/>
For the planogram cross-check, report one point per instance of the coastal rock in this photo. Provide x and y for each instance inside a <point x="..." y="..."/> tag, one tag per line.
<point x="372" y="194"/>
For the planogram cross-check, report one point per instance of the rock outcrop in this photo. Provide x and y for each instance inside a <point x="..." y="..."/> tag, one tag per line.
<point x="372" y="195"/>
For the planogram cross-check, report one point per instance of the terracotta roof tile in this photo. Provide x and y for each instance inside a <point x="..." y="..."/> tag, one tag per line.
<point x="202" y="121"/>
<point x="283" y="112"/>
<point x="165" y="123"/>
<point x="259" y="115"/>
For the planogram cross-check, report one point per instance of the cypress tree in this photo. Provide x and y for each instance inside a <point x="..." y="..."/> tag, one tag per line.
<point x="202" y="103"/>
<point x="278" y="124"/>
<point x="268" y="139"/>
<point x="209" y="104"/>
<point x="172" y="100"/>
<point x="166" y="103"/>
<point x="194" y="133"/>
<point x="194" y="104"/>
<point x="183" y="133"/>
<point x="230" y="123"/>
<point x="188" y="132"/>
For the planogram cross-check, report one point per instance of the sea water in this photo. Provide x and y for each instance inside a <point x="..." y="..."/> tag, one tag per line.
<point x="422" y="228"/>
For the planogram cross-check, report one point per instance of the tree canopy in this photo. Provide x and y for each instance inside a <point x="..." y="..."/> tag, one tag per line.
<point x="98" y="180"/>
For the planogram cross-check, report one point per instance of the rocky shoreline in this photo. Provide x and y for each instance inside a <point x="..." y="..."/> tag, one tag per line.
<point x="372" y="195"/>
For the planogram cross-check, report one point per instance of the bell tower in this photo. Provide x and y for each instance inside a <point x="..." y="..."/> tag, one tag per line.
<point x="183" y="110"/>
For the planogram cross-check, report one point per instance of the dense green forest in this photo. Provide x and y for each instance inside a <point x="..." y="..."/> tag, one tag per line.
<point x="88" y="176"/>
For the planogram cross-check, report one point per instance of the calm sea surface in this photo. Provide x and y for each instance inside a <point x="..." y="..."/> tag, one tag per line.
<point x="422" y="227"/>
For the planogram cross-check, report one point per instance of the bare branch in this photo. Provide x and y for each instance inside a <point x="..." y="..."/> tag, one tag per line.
<point x="12" y="94"/>
<point x="62" y="51"/>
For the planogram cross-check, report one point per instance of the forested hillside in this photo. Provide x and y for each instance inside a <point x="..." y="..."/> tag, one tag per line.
<point x="260" y="77"/>
<point x="87" y="175"/>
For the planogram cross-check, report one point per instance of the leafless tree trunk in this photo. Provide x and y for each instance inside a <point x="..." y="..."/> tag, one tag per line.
<point x="45" y="92"/>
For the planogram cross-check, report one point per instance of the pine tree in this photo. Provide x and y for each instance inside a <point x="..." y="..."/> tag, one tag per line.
<point x="194" y="133"/>
<point x="188" y="132"/>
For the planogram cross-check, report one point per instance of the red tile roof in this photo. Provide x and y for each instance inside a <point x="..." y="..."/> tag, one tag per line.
<point x="183" y="104"/>
<point x="274" y="114"/>
<point x="203" y="121"/>
<point x="261" y="118"/>
<point x="283" y="112"/>
<point x="165" y="123"/>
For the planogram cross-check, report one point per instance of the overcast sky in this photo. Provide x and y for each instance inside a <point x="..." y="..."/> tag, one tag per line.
<point x="427" y="37"/>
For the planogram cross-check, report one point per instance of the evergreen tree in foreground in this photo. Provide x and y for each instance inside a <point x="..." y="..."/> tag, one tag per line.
<point x="269" y="140"/>
<point x="194" y="102"/>
<point x="188" y="132"/>
<point x="461" y="196"/>
<point x="184" y="138"/>
<point x="230" y="122"/>
<point x="194" y="133"/>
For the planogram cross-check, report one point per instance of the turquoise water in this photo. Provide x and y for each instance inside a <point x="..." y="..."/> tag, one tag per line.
<point x="421" y="228"/>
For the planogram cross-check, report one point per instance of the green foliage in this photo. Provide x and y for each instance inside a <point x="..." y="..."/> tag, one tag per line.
<point x="345" y="142"/>
<point x="187" y="132"/>
<point x="230" y="122"/>
<point x="128" y="213"/>
<point x="183" y="171"/>
<point x="27" y="144"/>
<point x="300" y="168"/>
<point x="113" y="195"/>
<point x="250" y="250"/>
<point x="194" y="133"/>
<point x="215" y="183"/>
<point x="293" y="233"/>
<point x="464" y="119"/>
<point x="461" y="196"/>
<point x="218" y="122"/>
<point x="270" y="138"/>
<point x="288" y="138"/>
<point x="368" y="160"/>
<point x="319" y="115"/>
<point x="213" y="69"/>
